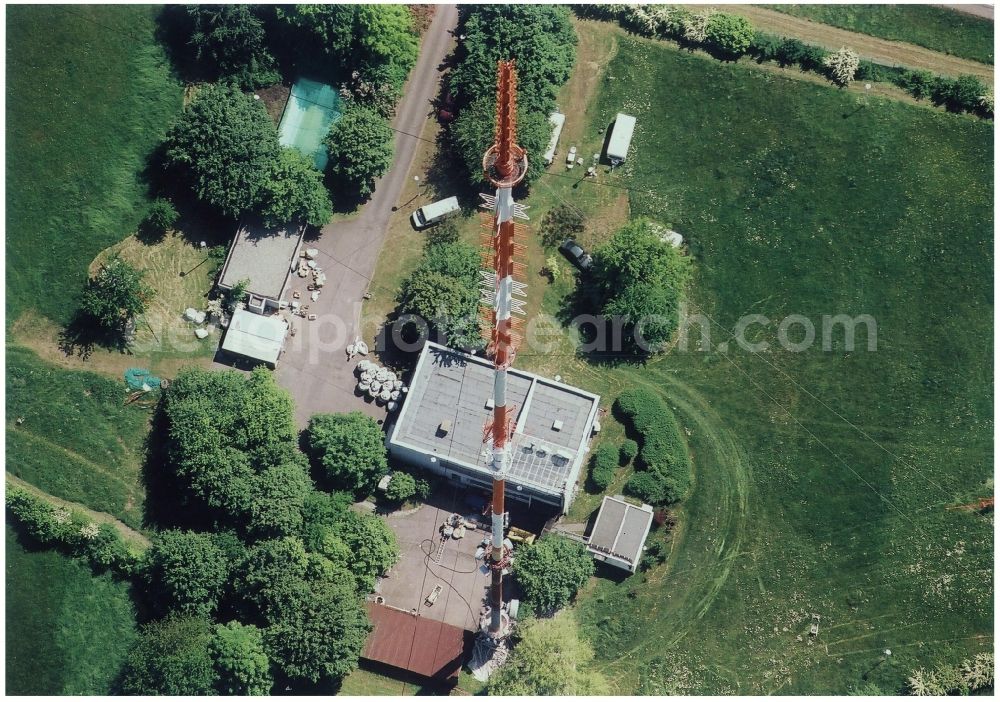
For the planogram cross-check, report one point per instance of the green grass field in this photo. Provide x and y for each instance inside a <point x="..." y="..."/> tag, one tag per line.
<point x="75" y="440"/>
<point x="68" y="632"/>
<point x="823" y="478"/>
<point x="936" y="28"/>
<point x="89" y="95"/>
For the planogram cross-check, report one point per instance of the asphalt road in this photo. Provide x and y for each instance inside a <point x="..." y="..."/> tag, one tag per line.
<point x="314" y="365"/>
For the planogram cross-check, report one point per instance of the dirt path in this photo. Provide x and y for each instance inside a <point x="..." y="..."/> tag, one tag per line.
<point x="127" y="533"/>
<point x="872" y="48"/>
<point x="314" y="366"/>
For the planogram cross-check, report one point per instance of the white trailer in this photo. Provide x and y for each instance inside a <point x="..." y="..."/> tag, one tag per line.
<point x="621" y="137"/>
<point x="435" y="212"/>
<point x="557" y="120"/>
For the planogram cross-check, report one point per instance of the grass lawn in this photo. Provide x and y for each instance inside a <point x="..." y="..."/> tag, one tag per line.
<point x="68" y="632"/>
<point x="822" y="477"/>
<point x="936" y="28"/>
<point x="90" y="94"/>
<point x="69" y="434"/>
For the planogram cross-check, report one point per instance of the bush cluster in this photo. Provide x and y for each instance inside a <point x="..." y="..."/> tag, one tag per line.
<point x="730" y="37"/>
<point x="629" y="450"/>
<point x="664" y="464"/>
<point x="602" y="466"/>
<point x="101" y="544"/>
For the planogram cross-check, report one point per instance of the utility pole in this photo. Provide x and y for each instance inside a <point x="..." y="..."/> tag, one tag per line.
<point x="504" y="165"/>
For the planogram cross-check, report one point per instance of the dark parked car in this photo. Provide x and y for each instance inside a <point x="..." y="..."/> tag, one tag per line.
<point x="576" y="255"/>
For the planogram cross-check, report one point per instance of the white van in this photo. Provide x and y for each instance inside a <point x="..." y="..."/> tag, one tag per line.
<point x="435" y="212"/>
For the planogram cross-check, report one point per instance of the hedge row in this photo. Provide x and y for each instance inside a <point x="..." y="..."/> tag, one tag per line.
<point x="730" y="36"/>
<point x="664" y="474"/>
<point x="101" y="544"/>
<point x="602" y="466"/>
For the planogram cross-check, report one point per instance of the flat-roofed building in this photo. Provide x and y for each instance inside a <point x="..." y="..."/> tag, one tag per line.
<point x="620" y="532"/>
<point x="264" y="257"/>
<point x="450" y="399"/>
<point x="255" y="336"/>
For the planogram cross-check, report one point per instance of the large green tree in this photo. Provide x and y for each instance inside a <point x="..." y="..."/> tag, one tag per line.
<point x="550" y="659"/>
<point x="357" y="35"/>
<point x="294" y="193"/>
<point x="319" y="628"/>
<point x="444" y="292"/>
<point x="641" y="278"/>
<point x="371" y="543"/>
<point x="224" y="146"/>
<point x="171" y="657"/>
<point x="116" y="295"/>
<point x="229" y="42"/>
<point x="540" y="38"/>
<point x="186" y="572"/>
<point x="279" y="493"/>
<point x="272" y="568"/>
<point x="350" y="448"/>
<point x="473" y="132"/>
<point x="551" y="571"/>
<point x="360" y="146"/>
<point x="240" y="661"/>
<point x="225" y="430"/>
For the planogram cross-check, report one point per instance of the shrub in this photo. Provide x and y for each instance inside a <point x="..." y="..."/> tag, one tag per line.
<point x="729" y="36"/>
<point x="958" y="95"/>
<point x="602" y="466"/>
<point x="841" y="66"/>
<point x="551" y="571"/>
<point x="101" y="544"/>
<point x="160" y="218"/>
<point x="663" y="456"/>
<point x="628" y="451"/>
<point x="401" y="488"/>
<point x="560" y="223"/>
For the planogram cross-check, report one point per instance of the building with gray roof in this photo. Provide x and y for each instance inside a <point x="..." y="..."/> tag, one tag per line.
<point x="264" y="257"/>
<point x="620" y="532"/>
<point x="441" y="426"/>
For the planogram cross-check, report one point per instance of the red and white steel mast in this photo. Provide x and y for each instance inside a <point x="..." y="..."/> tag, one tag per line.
<point x="504" y="165"/>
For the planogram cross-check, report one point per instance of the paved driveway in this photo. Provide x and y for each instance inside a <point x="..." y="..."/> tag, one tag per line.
<point x="314" y="366"/>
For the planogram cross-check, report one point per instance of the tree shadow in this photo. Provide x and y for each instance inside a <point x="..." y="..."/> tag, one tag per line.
<point x="83" y="334"/>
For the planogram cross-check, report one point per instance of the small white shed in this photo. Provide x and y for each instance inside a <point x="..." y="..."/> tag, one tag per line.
<point x="557" y="120"/>
<point x="255" y="336"/>
<point x="621" y="138"/>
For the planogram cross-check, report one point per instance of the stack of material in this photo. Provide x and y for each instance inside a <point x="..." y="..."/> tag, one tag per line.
<point x="487" y="656"/>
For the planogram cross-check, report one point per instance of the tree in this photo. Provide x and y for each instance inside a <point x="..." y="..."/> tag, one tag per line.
<point x="319" y="630"/>
<point x="450" y="305"/>
<point x="116" y="295"/>
<point x="320" y="513"/>
<point x="271" y="570"/>
<point x="841" y="66"/>
<point x="360" y="146"/>
<point x="160" y="218"/>
<point x="640" y="279"/>
<point x="358" y="35"/>
<point x="224" y="146"/>
<point x="550" y="659"/>
<point x="551" y="570"/>
<point x="350" y="448"/>
<point x="372" y="545"/>
<point x="560" y="223"/>
<point x="186" y="572"/>
<point x="294" y="193"/>
<point x="539" y="37"/>
<point x="402" y="487"/>
<point x="171" y="657"/>
<point x="729" y="36"/>
<point x="473" y="132"/>
<point x="223" y="430"/>
<point x="241" y="664"/>
<point x="229" y="42"/>
<point x="279" y="494"/>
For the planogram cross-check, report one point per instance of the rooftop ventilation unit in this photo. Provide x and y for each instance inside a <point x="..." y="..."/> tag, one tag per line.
<point x="557" y="425"/>
<point x="444" y="427"/>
